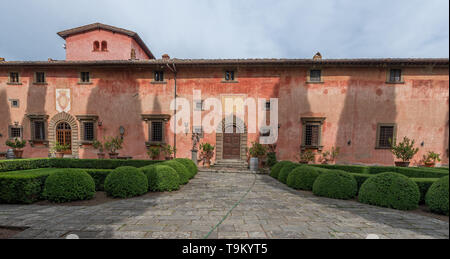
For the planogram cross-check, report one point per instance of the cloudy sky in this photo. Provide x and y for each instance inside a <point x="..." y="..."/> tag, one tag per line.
<point x="237" y="28"/>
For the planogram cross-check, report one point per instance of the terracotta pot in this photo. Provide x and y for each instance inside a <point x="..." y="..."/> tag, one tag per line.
<point x="101" y="155"/>
<point x="432" y="164"/>
<point x="402" y="164"/>
<point x="18" y="153"/>
<point x="113" y="155"/>
<point x="59" y="154"/>
<point x="207" y="164"/>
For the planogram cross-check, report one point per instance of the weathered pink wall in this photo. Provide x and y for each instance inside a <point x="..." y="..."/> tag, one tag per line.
<point x="353" y="100"/>
<point x="80" y="46"/>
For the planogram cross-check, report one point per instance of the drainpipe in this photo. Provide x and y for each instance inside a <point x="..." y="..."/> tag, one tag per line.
<point x="174" y="70"/>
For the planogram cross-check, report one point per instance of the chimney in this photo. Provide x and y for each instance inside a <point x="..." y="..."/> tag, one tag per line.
<point x="318" y="56"/>
<point x="165" y="57"/>
<point x="50" y="60"/>
<point x="2" y="59"/>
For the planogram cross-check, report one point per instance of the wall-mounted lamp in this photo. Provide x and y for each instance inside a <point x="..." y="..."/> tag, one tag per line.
<point x="349" y="143"/>
<point x="100" y="123"/>
<point x="121" y="131"/>
<point x="422" y="144"/>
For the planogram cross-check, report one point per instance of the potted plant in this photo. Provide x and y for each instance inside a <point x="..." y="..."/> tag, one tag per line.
<point x="100" y="147"/>
<point x="206" y="154"/>
<point x="430" y="159"/>
<point x="330" y="156"/>
<point x="59" y="149"/>
<point x="404" y="150"/>
<point x="17" y="145"/>
<point x="307" y="157"/>
<point x="168" y="152"/>
<point x="153" y="152"/>
<point x="257" y="152"/>
<point x="112" y="145"/>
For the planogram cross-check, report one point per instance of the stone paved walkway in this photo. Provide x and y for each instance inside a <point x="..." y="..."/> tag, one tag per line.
<point x="269" y="210"/>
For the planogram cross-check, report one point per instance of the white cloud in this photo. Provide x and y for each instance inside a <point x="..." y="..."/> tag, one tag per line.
<point x="238" y="29"/>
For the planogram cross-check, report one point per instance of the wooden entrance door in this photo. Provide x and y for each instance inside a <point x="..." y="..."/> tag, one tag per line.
<point x="64" y="135"/>
<point x="232" y="145"/>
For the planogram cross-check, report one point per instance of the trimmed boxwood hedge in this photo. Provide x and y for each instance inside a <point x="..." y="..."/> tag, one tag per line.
<point x="161" y="178"/>
<point x="69" y="185"/>
<point x="22" y="188"/>
<point x="189" y="164"/>
<point x="23" y="164"/>
<point x="336" y="184"/>
<point x="125" y="182"/>
<point x="99" y="176"/>
<point x="303" y="177"/>
<point x="182" y="171"/>
<point x="391" y="190"/>
<point x="357" y="169"/>
<point x="361" y="178"/>
<point x="275" y="170"/>
<point x="437" y="197"/>
<point x="412" y="172"/>
<point x="285" y="171"/>
<point x="424" y="184"/>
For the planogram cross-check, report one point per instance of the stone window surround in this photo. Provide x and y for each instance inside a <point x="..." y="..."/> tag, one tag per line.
<point x="38" y="117"/>
<point x="87" y="118"/>
<point x="35" y="78"/>
<point x="15" y="100"/>
<point x="14" y="83"/>
<point x="159" y="82"/>
<point x="308" y="75"/>
<point x="90" y="77"/>
<point x="15" y="126"/>
<point x="379" y="125"/>
<point x="314" y="121"/>
<point x="388" y="76"/>
<point x="224" y="71"/>
<point x="149" y="118"/>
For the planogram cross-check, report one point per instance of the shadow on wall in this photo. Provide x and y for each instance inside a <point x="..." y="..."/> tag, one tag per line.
<point x="368" y="101"/>
<point x="446" y="154"/>
<point x="5" y="118"/>
<point x="116" y="101"/>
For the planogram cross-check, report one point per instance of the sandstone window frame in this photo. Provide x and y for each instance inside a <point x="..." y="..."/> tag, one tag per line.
<point x="36" y="78"/>
<point x="13" y="129"/>
<point x="158" y="118"/>
<point x="13" y="79"/>
<point x="83" y="120"/>
<point x="378" y="136"/>
<point x="309" y="79"/>
<point x="38" y="118"/>
<point x="82" y="79"/>
<point x="389" y="77"/>
<point x="15" y="103"/>
<point x="312" y="121"/>
<point x="231" y="73"/>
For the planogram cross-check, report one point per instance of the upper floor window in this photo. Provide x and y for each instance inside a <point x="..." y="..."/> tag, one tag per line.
<point x="85" y="77"/>
<point x="159" y="76"/>
<point x="39" y="77"/>
<point x="315" y="75"/>
<point x="104" y="46"/>
<point x="395" y="76"/>
<point x="96" y="46"/>
<point x="14" y="78"/>
<point x="229" y="75"/>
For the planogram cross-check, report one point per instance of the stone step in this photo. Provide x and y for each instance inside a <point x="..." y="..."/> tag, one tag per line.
<point x="227" y="171"/>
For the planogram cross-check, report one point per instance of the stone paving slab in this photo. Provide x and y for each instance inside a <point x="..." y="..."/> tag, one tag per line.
<point x="269" y="210"/>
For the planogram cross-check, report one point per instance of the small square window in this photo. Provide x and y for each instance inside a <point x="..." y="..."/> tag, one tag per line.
<point x="198" y="130"/>
<point x="315" y="76"/>
<point x="265" y="132"/>
<point x="159" y="76"/>
<point x="85" y="77"/>
<point x="15" y="103"/>
<point x="229" y="75"/>
<point x="40" y="77"/>
<point x="14" y="77"/>
<point x="395" y="76"/>
<point x="15" y="132"/>
<point x="199" y="105"/>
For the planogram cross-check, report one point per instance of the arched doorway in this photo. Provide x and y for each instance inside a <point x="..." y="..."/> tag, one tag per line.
<point x="64" y="135"/>
<point x="231" y="139"/>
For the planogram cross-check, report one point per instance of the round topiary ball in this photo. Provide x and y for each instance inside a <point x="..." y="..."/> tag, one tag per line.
<point x="437" y="196"/>
<point x="69" y="185"/>
<point x="189" y="164"/>
<point x="125" y="182"/>
<point x="161" y="178"/>
<point x="303" y="177"/>
<point x="335" y="184"/>
<point x="182" y="171"/>
<point x="285" y="171"/>
<point x="275" y="170"/>
<point x="390" y="190"/>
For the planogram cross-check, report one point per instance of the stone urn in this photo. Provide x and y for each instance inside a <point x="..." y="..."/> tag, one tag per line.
<point x="101" y="155"/>
<point x="59" y="154"/>
<point x="113" y="155"/>
<point x="18" y="153"/>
